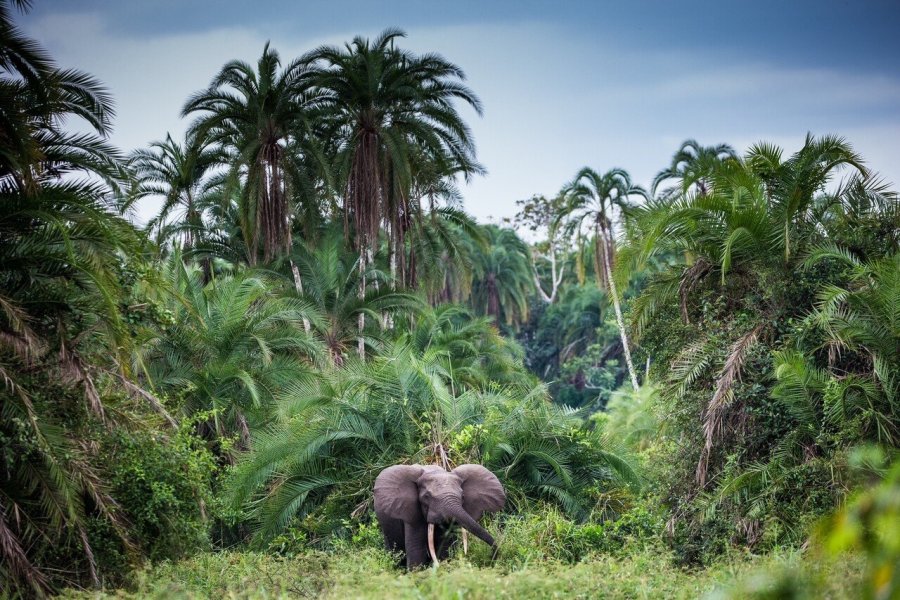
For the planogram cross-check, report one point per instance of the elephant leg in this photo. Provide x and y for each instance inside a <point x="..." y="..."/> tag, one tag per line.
<point x="393" y="534"/>
<point x="416" y="542"/>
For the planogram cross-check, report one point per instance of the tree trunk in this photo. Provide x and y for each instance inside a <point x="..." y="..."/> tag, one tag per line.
<point x="394" y="250"/>
<point x="361" y="320"/>
<point x="555" y="277"/>
<point x="620" y="321"/>
<point x="298" y="285"/>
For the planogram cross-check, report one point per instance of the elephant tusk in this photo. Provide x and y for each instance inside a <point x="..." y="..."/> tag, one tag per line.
<point x="431" y="544"/>
<point x="465" y="541"/>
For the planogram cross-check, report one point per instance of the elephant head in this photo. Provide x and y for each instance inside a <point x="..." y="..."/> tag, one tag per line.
<point x="425" y="496"/>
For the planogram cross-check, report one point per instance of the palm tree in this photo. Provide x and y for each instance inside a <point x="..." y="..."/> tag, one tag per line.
<point x="692" y="165"/>
<point x="178" y="174"/>
<point x="502" y="285"/>
<point x="390" y="112"/>
<point x="331" y="285"/>
<point x="470" y="348"/>
<point x="61" y="332"/>
<point x="437" y="225"/>
<point x="793" y="185"/>
<point x="237" y="344"/>
<point x="860" y="322"/>
<point x="760" y="212"/>
<point x="260" y="118"/>
<point x="442" y="250"/>
<point x="593" y="200"/>
<point x="849" y="396"/>
<point x="760" y="216"/>
<point x="338" y="432"/>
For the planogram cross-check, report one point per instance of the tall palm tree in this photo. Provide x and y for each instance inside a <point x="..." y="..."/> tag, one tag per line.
<point x="178" y="173"/>
<point x="594" y="200"/>
<point x="389" y="111"/>
<point x="260" y="118"/>
<point x="61" y="332"/>
<point x="503" y="284"/>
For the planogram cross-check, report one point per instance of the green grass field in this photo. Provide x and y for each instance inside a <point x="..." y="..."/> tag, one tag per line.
<point x="368" y="573"/>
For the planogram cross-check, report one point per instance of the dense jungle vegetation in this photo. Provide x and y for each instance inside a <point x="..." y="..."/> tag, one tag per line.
<point x="687" y="389"/>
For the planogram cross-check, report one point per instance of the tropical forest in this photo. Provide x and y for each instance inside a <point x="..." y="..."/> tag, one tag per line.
<point x="682" y="388"/>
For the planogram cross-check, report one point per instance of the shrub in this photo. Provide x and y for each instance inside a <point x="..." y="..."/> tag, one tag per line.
<point x="163" y="483"/>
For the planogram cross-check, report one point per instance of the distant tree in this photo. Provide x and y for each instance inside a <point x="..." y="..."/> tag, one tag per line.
<point x="540" y="214"/>
<point x="692" y="165"/>
<point x="593" y="200"/>
<point x="503" y="281"/>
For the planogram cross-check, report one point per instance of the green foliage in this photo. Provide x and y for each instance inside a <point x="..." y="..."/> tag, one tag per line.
<point x="763" y="297"/>
<point x="774" y="342"/>
<point x="63" y="341"/>
<point x="543" y="533"/>
<point x="163" y="484"/>
<point x="642" y="573"/>
<point x="234" y="346"/>
<point x="503" y="282"/>
<point x="257" y="119"/>
<point x="330" y="283"/>
<point x="870" y="523"/>
<point x="179" y="174"/>
<point x="335" y="434"/>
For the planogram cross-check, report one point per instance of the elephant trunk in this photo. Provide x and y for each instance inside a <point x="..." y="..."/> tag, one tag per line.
<point x="466" y="520"/>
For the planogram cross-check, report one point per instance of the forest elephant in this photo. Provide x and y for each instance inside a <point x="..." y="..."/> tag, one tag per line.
<point x="416" y="506"/>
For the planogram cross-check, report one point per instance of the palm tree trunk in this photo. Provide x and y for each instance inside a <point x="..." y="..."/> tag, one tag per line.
<point x="298" y="285"/>
<point x="620" y="321"/>
<point x="394" y="250"/>
<point x="361" y="319"/>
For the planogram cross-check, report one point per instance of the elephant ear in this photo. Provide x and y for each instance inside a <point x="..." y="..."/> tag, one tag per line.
<point x="482" y="491"/>
<point x="396" y="492"/>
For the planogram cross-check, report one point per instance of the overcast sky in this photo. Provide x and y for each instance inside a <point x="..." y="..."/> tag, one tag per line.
<point x="564" y="84"/>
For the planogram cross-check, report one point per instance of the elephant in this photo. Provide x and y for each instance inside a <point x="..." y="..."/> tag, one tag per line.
<point x="416" y="505"/>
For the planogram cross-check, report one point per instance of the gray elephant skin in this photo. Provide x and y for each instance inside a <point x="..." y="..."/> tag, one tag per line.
<point x="417" y="504"/>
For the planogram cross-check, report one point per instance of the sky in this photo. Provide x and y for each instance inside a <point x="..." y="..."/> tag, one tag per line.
<point x="564" y="84"/>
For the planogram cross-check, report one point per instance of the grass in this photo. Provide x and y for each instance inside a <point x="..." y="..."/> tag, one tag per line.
<point x="370" y="573"/>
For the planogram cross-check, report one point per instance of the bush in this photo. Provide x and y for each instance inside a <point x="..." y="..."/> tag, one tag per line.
<point x="545" y="533"/>
<point x="162" y="482"/>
